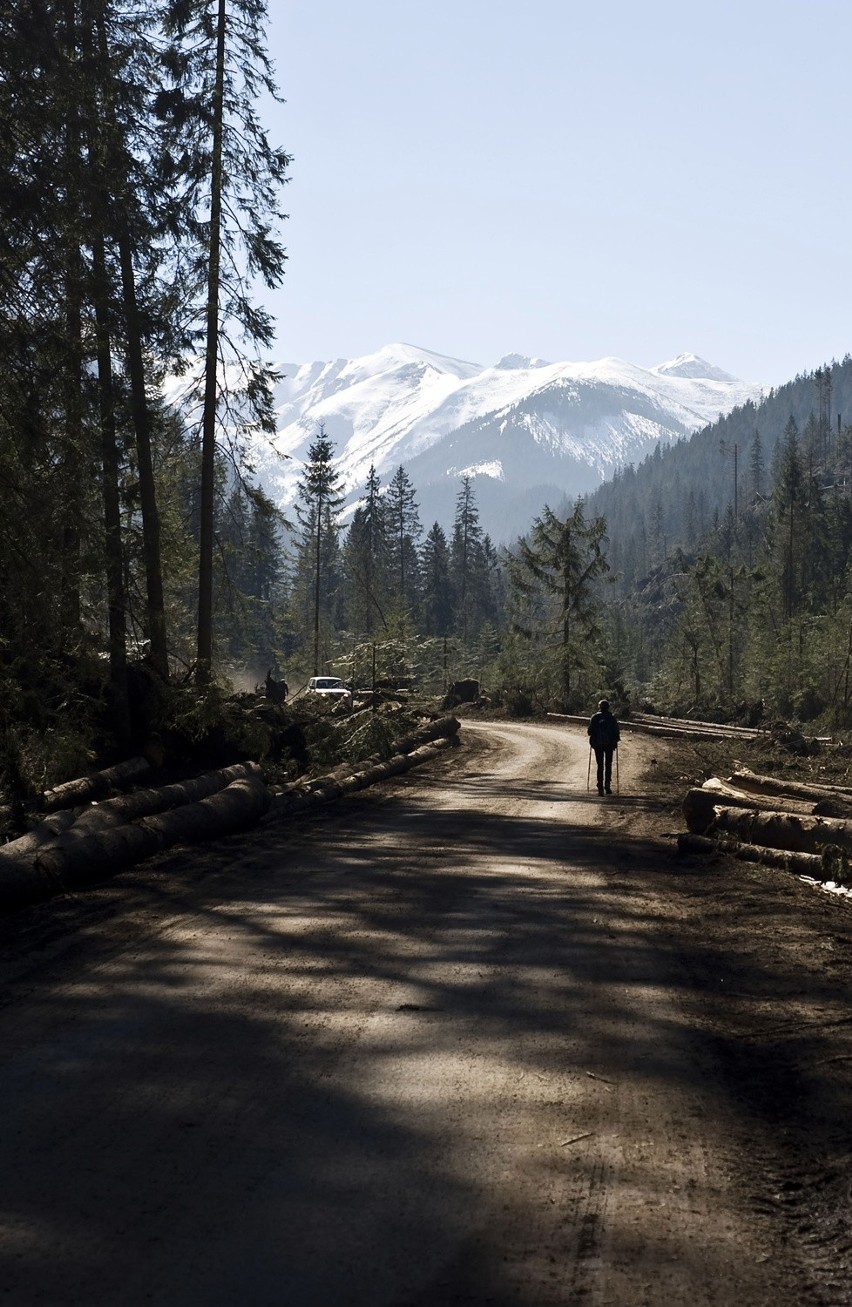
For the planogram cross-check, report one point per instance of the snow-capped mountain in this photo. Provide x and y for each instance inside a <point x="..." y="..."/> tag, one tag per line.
<point x="530" y="432"/>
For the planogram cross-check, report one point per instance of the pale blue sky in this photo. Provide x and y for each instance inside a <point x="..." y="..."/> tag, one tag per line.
<point x="567" y="180"/>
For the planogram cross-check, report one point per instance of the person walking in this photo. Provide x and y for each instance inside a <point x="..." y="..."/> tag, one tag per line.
<point x="603" y="738"/>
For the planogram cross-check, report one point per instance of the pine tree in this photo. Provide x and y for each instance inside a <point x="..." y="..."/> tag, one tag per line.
<point x="252" y="573"/>
<point x="466" y="555"/>
<point x="316" y="580"/>
<point x="554" y="594"/>
<point x="436" y="611"/>
<point x="789" y="507"/>
<point x="224" y="179"/>
<point x="756" y="468"/>
<point x="403" y="535"/>
<point x="366" y="560"/>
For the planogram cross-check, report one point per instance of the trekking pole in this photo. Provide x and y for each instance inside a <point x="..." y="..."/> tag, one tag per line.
<point x="589" y="771"/>
<point x="617" y="781"/>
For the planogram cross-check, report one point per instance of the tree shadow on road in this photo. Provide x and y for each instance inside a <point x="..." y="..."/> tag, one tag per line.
<point x="259" y="1087"/>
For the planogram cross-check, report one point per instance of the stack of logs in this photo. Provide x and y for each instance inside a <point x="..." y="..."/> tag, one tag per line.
<point x="85" y="831"/>
<point x="806" y="828"/>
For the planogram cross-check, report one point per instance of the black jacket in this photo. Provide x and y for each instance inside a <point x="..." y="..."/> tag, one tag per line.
<point x="603" y="731"/>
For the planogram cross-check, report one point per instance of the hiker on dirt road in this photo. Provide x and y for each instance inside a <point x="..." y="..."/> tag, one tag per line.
<point x="603" y="738"/>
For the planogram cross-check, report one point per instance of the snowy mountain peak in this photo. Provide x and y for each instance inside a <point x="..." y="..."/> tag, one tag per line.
<point x="694" y="368"/>
<point x="511" y="362"/>
<point x="530" y="432"/>
<point x="400" y="355"/>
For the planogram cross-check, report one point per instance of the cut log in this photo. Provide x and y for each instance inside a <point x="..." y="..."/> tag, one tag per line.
<point x="779" y="830"/>
<point x="803" y="864"/>
<point x="669" y="730"/>
<point x="728" y="793"/>
<point x="145" y="803"/>
<point x="692" y="723"/>
<point x="754" y="783"/>
<point x="700" y="807"/>
<point x="294" y="801"/>
<point x="239" y="806"/>
<point x="776" y="830"/>
<point x="79" y="856"/>
<point x="441" y="728"/>
<point x="23" y="883"/>
<point x="46" y="830"/>
<point x="86" y="788"/>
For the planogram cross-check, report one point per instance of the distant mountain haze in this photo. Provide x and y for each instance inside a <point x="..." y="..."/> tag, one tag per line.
<point x="528" y="431"/>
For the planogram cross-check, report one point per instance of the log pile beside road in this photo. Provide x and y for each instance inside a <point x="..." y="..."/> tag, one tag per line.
<point x="672" y="728"/>
<point x="804" y="827"/>
<point x="80" y="841"/>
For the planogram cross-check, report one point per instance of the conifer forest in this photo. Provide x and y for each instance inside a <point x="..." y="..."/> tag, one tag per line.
<point x="141" y="216"/>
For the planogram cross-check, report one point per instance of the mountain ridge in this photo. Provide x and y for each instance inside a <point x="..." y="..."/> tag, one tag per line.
<point x="528" y="430"/>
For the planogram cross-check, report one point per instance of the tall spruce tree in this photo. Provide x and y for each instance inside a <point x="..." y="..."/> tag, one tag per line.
<point x="437" y="605"/>
<point x="366" y="560"/>
<point x="224" y="179"/>
<point x="403" y="535"/>
<point x="469" y="564"/>
<point x="316" y="572"/>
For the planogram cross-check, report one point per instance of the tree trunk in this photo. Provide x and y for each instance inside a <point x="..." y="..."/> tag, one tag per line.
<point x="728" y="794"/>
<point x="155" y="600"/>
<point x="204" y="667"/>
<point x="803" y="864"/>
<point x="86" y="788"/>
<point x="140" y="413"/>
<point x="778" y="830"/>
<point x="754" y="782"/>
<point x="114" y="555"/>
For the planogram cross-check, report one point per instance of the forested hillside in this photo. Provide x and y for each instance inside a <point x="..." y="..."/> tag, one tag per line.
<point x="730" y="556"/>
<point x="678" y="494"/>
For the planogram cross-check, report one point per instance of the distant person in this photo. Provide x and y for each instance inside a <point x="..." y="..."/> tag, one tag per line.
<point x="603" y="737"/>
<point x="276" y="691"/>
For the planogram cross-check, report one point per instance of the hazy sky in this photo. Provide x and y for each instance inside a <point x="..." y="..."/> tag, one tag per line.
<point x="567" y="180"/>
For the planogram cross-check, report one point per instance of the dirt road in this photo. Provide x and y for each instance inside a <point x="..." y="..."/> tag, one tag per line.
<point x="480" y="1037"/>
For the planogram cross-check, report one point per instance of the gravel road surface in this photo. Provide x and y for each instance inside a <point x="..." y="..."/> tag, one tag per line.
<point x="476" y="1037"/>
